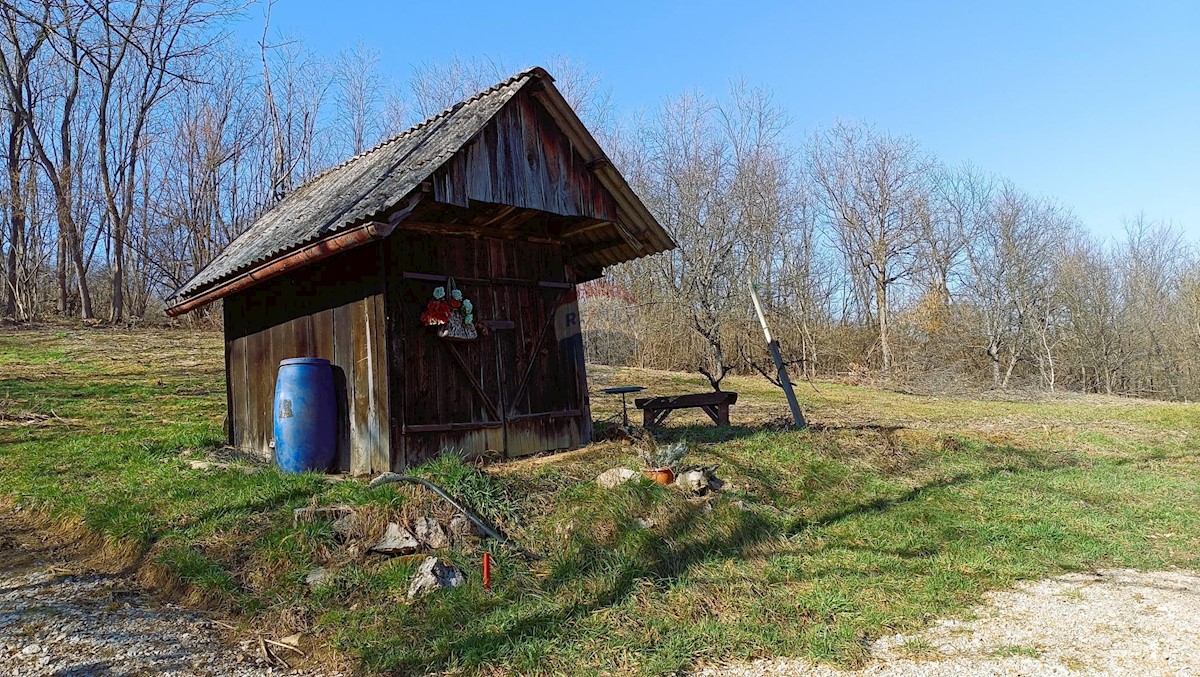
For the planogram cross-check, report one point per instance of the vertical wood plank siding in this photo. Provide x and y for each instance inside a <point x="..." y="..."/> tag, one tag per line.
<point x="514" y="390"/>
<point x="522" y="159"/>
<point x="333" y="311"/>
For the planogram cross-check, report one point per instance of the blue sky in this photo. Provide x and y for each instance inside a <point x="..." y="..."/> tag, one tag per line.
<point x="1095" y="103"/>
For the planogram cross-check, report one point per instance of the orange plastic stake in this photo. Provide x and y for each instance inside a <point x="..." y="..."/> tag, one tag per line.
<point x="487" y="571"/>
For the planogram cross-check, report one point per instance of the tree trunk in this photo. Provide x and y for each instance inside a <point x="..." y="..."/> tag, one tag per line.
<point x="118" y="278"/>
<point x="993" y="352"/>
<point x="881" y="309"/>
<point x="75" y="246"/>
<point x="60" y="273"/>
<point x="1012" y="364"/>
<point x="1048" y="368"/>
<point x="16" y="220"/>
<point x="16" y="228"/>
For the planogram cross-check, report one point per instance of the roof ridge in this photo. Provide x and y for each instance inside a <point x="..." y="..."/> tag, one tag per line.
<point x="532" y="70"/>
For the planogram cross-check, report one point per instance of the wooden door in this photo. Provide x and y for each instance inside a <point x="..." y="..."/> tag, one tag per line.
<point x="514" y="390"/>
<point x="452" y="390"/>
<point x="543" y="408"/>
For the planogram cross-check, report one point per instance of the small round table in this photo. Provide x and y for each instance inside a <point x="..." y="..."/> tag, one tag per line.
<point x="622" y="391"/>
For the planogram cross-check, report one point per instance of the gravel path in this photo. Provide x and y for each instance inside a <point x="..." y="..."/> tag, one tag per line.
<point x="53" y="622"/>
<point x="1113" y="622"/>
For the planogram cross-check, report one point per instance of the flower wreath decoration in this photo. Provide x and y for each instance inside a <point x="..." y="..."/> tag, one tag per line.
<point x="453" y="314"/>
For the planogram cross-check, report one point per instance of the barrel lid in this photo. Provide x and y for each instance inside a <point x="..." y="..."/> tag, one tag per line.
<point x="306" y="360"/>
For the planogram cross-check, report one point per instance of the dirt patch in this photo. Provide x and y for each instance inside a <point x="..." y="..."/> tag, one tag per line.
<point x="57" y="618"/>
<point x="1111" y="622"/>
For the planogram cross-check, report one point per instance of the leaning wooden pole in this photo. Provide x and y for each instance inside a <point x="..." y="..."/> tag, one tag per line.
<point x="773" y="346"/>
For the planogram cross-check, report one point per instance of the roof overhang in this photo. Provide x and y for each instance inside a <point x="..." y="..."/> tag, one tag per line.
<point x="317" y="251"/>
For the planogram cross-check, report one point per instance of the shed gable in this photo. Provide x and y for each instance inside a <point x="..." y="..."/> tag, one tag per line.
<point x="522" y="158"/>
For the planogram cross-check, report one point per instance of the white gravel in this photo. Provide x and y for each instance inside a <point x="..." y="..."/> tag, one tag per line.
<point x="77" y="625"/>
<point x="1112" y="622"/>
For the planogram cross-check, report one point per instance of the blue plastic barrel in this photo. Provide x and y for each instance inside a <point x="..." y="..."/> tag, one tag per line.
<point x="305" y="415"/>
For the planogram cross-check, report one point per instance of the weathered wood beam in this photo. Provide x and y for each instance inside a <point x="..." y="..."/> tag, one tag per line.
<point x="465" y="230"/>
<point x="587" y="228"/>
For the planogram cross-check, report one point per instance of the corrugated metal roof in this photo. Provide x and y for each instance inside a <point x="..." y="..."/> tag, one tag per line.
<point x="373" y="183"/>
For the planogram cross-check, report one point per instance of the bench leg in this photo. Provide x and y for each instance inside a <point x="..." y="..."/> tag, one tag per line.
<point x="654" y="417"/>
<point x="719" y="413"/>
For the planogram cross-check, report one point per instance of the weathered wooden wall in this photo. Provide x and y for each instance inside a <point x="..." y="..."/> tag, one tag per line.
<point x="520" y="387"/>
<point x="405" y="394"/>
<point x="522" y="159"/>
<point x="334" y="310"/>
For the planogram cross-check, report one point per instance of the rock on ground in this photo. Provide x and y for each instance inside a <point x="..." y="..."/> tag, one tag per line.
<point x="462" y="528"/>
<point x="396" y="541"/>
<point x="430" y="532"/>
<point x="692" y="481"/>
<point x="1111" y="622"/>
<point x="614" y="476"/>
<point x="433" y="575"/>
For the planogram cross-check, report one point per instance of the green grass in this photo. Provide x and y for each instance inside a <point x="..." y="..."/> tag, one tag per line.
<point x="1011" y="650"/>
<point x="892" y="511"/>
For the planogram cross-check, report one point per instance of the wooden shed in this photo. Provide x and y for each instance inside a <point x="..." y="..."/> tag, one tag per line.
<point x="506" y="197"/>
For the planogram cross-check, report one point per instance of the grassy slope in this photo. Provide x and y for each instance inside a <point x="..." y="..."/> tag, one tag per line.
<point x="893" y="510"/>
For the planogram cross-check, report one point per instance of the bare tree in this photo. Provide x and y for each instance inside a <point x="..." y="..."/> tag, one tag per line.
<point x="209" y="186"/>
<point x="296" y="84"/>
<point x="55" y="146"/>
<point x="360" y="89"/>
<point x="23" y="42"/>
<point x="873" y="189"/>
<point x="139" y="52"/>
<point x="437" y="86"/>
<point x="716" y="176"/>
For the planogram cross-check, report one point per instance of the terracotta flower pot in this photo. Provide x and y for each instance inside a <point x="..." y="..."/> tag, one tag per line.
<point x="662" y="475"/>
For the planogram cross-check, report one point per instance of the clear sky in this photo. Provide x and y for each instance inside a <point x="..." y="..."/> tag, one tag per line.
<point x="1095" y="103"/>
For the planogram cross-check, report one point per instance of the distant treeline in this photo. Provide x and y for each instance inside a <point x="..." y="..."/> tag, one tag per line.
<point x="877" y="261"/>
<point x="139" y="137"/>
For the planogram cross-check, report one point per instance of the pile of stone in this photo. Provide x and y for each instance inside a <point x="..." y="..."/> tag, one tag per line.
<point x="424" y="535"/>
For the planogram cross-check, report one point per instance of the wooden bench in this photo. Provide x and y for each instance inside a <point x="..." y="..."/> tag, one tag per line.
<point x="656" y="409"/>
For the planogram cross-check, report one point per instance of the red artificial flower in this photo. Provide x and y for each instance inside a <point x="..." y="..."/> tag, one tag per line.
<point x="437" y="312"/>
<point x="455" y="304"/>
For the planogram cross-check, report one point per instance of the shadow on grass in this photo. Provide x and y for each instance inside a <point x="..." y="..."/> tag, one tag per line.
<point x="711" y="434"/>
<point x="694" y="538"/>
<point x="224" y="512"/>
<point x="672" y="554"/>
